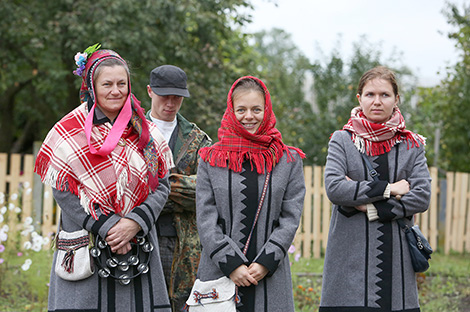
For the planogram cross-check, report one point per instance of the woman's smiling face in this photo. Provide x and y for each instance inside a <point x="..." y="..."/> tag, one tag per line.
<point x="249" y="109"/>
<point x="111" y="88"/>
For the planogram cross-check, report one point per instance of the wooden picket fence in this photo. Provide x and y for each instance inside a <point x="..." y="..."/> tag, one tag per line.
<point x="453" y="233"/>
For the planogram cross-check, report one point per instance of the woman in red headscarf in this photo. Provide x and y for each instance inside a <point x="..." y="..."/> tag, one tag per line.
<point x="242" y="240"/>
<point x="108" y="167"/>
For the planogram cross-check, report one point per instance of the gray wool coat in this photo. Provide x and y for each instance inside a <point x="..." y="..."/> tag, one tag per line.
<point x="146" y="292"/>
<point x="367" y="264"/>
<point x="226" y="203"/>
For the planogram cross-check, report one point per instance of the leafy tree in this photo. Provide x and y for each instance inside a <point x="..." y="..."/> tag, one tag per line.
<point x="39" y="39"/>
<point x="453" y="109"/>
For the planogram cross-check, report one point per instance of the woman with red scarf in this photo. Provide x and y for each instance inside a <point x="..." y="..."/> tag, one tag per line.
<point x="108" y="167"/>
<point x="367" y="263"/>
<point x="249" y="162"/>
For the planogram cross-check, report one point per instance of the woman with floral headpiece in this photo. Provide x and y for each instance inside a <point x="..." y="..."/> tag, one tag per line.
<point x="242" y="240"/>
<point x="367" y="262"/>
<point x="108" y="167"/>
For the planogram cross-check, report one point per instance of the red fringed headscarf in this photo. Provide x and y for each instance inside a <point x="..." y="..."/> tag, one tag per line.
<point x="378" y="138"/>
<point x="264" y="149"/>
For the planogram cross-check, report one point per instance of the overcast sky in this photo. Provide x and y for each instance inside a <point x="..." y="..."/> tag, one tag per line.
<point x="417" y="28"/>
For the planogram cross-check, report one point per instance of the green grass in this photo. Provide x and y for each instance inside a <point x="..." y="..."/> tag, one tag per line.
<point x="445" y="287"/>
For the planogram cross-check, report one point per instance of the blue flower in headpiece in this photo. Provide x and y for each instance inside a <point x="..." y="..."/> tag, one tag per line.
<point x="81" y="58"/>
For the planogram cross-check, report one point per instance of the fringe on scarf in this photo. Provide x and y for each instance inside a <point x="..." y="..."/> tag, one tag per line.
<point x="52" y="177"/>
<point x="379" y="148"/>
<point x="261" y="160"/>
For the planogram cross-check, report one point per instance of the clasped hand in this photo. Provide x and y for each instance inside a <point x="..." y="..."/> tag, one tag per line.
<point x="398" y="188"/>
<point x="247" y="275"/>
<point x="119" y="236"/>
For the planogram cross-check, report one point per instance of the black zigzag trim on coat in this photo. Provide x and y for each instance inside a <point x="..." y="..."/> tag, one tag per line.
<point x="269" y="261"/>
<point x="385" y="266"/>
<point x="250" y="201"/>
<point x="384" y="209"/>
<point x="232" y="263"/>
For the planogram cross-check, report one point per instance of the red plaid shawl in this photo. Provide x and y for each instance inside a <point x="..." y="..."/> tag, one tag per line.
<point x="264" y="149"/>
<point x="376" y="139"/>
<point x="116" y="182"/>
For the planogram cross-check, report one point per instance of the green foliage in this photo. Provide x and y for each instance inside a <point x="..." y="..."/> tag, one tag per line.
<point x="453" y="110"/>
<point x="40" y="39"/>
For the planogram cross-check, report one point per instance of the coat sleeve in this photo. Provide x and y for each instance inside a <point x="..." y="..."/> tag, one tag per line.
<point x="418" y="198"/>
<point x="183" y="181"/>
<point x="276" y="246"/>
<point x="219" y="246"/>
<point x="340" y="191"/>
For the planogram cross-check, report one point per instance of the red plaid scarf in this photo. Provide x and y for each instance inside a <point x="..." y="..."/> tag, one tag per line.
<point x="264" y="149"/>
<point x="116" y="182"/>
<point x="376" y="139"/>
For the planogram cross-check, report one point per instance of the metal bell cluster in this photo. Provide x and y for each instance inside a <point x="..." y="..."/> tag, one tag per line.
<point x="124" y="277"/>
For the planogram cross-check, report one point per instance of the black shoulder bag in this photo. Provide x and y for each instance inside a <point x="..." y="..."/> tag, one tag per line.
<point x="420" y="249"/>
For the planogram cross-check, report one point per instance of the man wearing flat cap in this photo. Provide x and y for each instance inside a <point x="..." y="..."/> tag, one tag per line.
<point x="176" y="226"/>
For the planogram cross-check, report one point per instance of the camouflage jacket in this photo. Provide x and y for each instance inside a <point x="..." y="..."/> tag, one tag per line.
<point x="182" y="204"/>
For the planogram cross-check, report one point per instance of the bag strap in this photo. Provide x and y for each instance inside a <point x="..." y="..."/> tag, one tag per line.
<point x="261" y="201"/>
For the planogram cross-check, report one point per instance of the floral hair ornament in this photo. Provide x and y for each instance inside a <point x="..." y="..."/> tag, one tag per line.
<point x="81" y="58"/>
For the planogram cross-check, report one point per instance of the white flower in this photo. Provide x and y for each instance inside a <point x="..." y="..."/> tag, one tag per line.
<point x="27" y="245"/>
<point x="28" y="220"/>
<point x="26" y="184"/>
<point x="28" y="191"/>
<point x="46" y="240"/>
<point x="37" y="239"/>
<point x="3" y="210"/>
<point x="5" y="228"/>
<point x="28" y="261"/>
<point x="2" y="198"/>
<point x="14" y="196"/>
<point x="3" y="236"/>
<point x="46" y="194"/>
<point x="17" y="209"/>
<point x="34" y="234"/>
<point x="25" y="267"/>
<point x="11" y="206"/>
<point x="1" y="218"/>
<point x="36" y="247"/>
